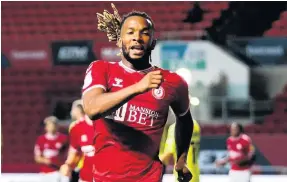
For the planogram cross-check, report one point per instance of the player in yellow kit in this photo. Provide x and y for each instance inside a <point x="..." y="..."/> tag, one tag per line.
<point x="193" y="152"/>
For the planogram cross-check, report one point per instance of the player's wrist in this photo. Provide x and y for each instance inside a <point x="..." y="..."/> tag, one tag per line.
<point x="181" y="161"/>
<point x="136" y="89"/>
<point x="182" y="157"/>
<point x="70" y="165"/>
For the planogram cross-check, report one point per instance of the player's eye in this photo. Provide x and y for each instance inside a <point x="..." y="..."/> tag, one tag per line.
<point x="146" y="33"/>
<point x="130" y="33"/>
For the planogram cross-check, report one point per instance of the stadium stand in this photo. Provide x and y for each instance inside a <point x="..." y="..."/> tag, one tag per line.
<point x="26" y="100"/>
<point x="74" y="20"/>
<point x="273" y="123"/>
<point x="277" y="120"/>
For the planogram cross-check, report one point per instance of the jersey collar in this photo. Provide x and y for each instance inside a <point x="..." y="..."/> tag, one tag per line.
<point x="130" y="70"/>
<point x="50" y="136"/>
<point x="88" y="120"/>
<point x="236" y="138"/>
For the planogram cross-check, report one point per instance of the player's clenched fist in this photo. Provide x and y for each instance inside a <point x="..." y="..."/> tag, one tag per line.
<point x="151" y="80"/>
<point x="184" y="174"/>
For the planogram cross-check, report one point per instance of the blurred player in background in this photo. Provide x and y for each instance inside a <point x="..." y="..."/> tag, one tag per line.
<point x="170" y="120"/>
<point x="48" y="148"/>
<point x="130" y="100"/>
<point x="81" y="145"/>
<point x="193" y="152"/>
<point x="241" y="154"/>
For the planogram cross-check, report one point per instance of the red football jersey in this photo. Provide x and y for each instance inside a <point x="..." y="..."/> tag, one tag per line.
<point x="81" y="140"/>
<point x="127" y="140"/>
<point x="49" y="146"/>
<point x="238" y="148"/>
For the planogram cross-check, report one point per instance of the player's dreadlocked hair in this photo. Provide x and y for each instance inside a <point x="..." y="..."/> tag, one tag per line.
<point x="112" y="23"/>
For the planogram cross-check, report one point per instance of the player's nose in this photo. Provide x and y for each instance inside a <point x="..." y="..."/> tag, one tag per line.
<point x="137" y="37"/>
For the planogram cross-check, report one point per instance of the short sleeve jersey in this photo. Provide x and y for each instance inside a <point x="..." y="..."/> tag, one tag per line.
<point x="238" y="148"/>
<point x="81" y="140"/>
<point x="50" y="147"/>
<point x="134" y="130"/>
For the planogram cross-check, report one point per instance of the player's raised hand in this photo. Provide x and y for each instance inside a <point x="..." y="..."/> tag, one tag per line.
<point x="151" y="80"/>
<point x="184" y="175"/>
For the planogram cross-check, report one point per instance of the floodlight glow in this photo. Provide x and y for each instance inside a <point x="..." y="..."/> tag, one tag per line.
<point x="185" y="74"/>
<point x="194" y="101"/>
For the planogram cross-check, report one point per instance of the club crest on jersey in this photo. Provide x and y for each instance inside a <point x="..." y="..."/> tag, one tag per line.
<point x="58" y="145"/>
<point x="239" y="146"/>
<point x="158" y="93"/>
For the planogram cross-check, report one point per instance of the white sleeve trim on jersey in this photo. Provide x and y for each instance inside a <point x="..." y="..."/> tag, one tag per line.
<point x="95" y="86"/>
<point x="184" y="113"/>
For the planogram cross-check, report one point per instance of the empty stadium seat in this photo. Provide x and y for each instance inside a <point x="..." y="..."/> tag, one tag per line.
<point x="53" y="20"/>
<point x="24" y="105"/>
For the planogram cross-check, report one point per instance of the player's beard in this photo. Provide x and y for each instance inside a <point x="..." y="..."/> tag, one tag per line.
<point x="140" y="63"/>
<point x="73" y="118"/>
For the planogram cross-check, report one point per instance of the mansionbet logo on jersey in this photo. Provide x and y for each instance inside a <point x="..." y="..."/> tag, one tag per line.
<point x="132" y="113"/>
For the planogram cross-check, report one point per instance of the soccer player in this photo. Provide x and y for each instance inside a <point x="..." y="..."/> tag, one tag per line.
<point x="241" y="154"/>
<point x="81" y="143"/>
<point x="130" y="101"/>
<point x="170" y="120"/>
<point x="193" y="152"/>
<point x="47" y="150"/>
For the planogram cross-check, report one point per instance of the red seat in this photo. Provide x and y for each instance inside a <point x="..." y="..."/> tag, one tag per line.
<point x="53" y="20"/>
<point x="283" y="15"/>
<point x="249" y="128"/>
<point x="212" y="15"/>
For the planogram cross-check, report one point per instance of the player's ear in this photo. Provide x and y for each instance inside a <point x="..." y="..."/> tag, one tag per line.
<point x="119" y="43"/>
<point x="153" y="44"/>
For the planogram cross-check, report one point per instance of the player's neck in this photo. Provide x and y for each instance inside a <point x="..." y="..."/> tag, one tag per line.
<point x="51" y="135"/>
<point x="79" y="117"/>
<point x="140" y="66"/>
<point x="236" y="137"/>
<point x="88" y="120"/>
